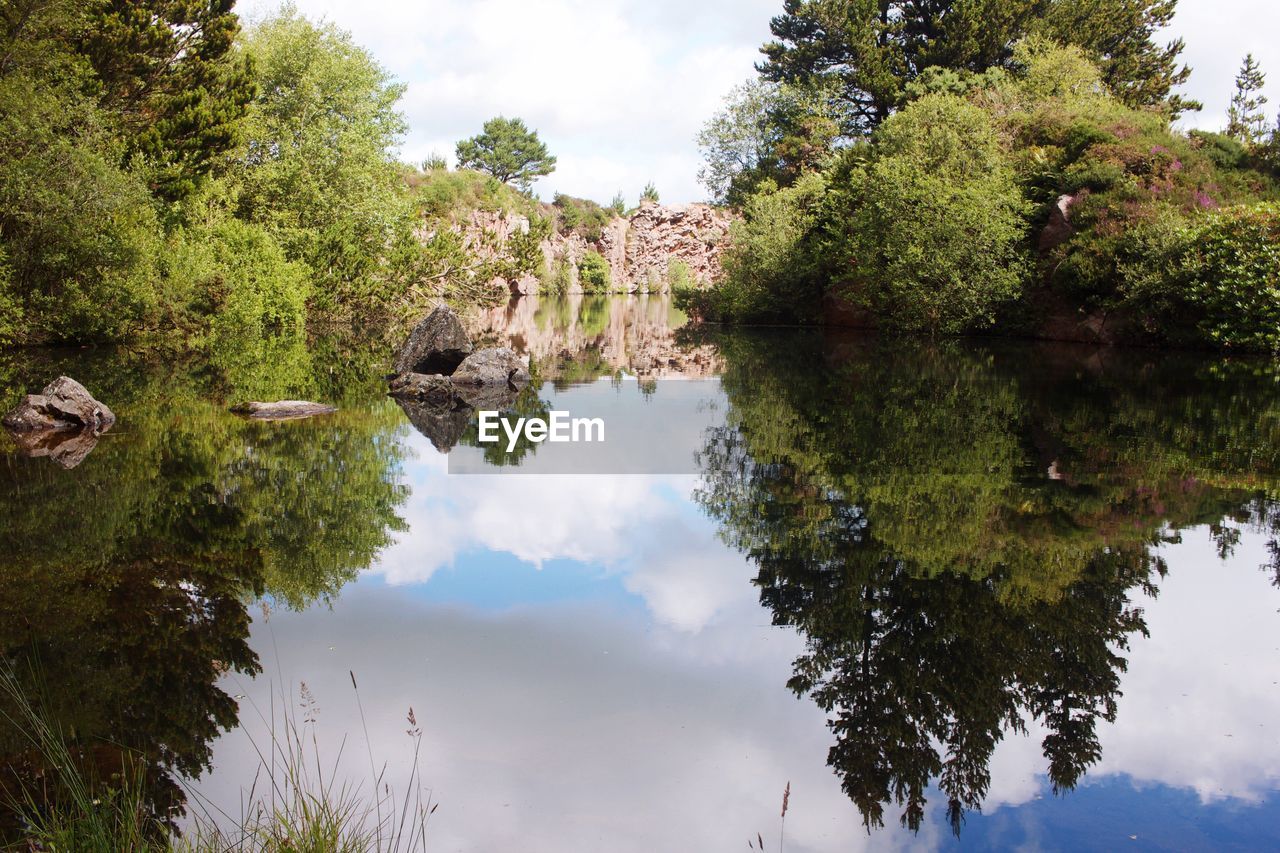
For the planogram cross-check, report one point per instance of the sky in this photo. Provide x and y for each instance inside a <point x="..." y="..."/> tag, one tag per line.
<point x="618" y="89"/>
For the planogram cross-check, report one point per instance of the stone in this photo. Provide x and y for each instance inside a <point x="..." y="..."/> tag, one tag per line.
<point x="283" y="410"/>
<point x="496" y="366"/>
<point x="64" y="404"/>
<point x="1058" y="229"/>
<point x="438" y="344"/>
<point x="420" y="386"/>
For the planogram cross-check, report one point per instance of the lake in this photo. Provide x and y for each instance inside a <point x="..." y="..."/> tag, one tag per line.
<point x="946" y="594"/>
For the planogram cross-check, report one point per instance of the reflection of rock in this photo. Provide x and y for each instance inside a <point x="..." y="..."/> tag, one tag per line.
<point x="632" y="333"/>
<point x="440" y="407"/>
<point x="67" y="448"/>
<point x="64" y="404"/>
<point x="492" y="397"/>
<point x="283" y="410"/>
<point x="497" y="366"/>
<point x="442" y="422"/>
<point x="436" y="345"/>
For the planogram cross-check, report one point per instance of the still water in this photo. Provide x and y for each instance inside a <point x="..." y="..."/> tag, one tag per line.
<point x="954" y="594"/>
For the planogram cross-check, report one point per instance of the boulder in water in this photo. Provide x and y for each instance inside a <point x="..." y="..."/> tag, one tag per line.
<point x="64" y="404"/>
<point x="498" y="366"/>
<point x="437" y="345"/>
<point x="283" y="410"/>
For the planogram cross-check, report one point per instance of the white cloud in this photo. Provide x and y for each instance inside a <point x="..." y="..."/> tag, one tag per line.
<point x="618" y="89"/>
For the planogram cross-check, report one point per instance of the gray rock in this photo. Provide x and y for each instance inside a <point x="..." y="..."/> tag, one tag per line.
<point x="419" y="386"/>
<point x="497" y="366"/>
<point x="64" y="404"/>
<point x="436" y="345"/>
<point x="283" y="410"/>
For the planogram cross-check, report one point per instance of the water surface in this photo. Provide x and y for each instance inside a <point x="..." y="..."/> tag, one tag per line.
<point x="956" y="594"/>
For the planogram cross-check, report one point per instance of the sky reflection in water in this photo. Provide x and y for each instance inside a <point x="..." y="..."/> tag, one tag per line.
<point x="603" y="662"/>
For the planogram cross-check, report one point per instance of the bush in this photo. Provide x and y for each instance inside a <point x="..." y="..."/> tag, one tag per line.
<point x="234" y="277"/>
<point x="938" y="222"/>
<point x="594" y="273"/>
<point x="772" y="268"/>
<point x="1214" y="282"/>
<point x="581" y="216"/>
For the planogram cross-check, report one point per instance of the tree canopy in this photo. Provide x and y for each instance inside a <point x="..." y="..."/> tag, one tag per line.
<point x="507" y="150"/>
<point x="872" y="49"/>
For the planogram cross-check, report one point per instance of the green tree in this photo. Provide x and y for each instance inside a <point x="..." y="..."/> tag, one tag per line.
<point x="649" y="193"/>
<point x="168" y="72"/>
<point x="509" y="151"/>
<point x="315" y="164"/>
<point x="1246" y="120"/>
<point x="938" y="220"/>
<point x="872" y="49"/>
<point x="1119" y="36"/>
<point x="765" y="131"/>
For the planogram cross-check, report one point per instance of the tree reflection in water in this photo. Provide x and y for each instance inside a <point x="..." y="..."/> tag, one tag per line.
<point x="963" y="534"/>
<point x="125" y="584"/>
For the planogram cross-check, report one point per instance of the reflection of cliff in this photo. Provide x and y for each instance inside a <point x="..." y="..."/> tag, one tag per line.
<point x="964" y="535"/>
<point x="582" y="337"/>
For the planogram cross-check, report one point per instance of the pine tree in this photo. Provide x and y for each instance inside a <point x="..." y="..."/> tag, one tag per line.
<point x="168" y="71"/>
<point x="872" y="49"/>
<point x="1245" y="119"/>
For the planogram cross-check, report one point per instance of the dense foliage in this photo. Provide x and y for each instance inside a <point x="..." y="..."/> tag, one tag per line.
<point x="166" y="175"/>
<point x="1015" y="194"/>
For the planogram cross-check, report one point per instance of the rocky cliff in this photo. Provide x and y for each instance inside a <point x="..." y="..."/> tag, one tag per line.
<point x="646" y="250"/>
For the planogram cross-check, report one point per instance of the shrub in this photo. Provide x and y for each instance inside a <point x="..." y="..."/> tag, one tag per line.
<point x="580" y="216"/>
<point x="679" y="276"/>
<point x="1214" y="282"/>
<point x="938" y="222"/>
<point x="10" y="309"/>
<point x="649" y="193"/>
<point x="234" y="277"/>
<point x="773" y="268"/>
<point x="594" y="274"/>
<point x="558" y="278"/>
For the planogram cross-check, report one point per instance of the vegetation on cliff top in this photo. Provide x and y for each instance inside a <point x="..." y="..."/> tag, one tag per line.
<point x="1004" y="177"/>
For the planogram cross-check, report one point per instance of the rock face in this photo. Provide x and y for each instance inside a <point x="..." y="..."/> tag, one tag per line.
<point x="640" y="248"/>
<point x="694" y="235"/>
<point x="438" y="344"/>
<point x="499" y="366"/>
<point x="283" y="410"/>
<point x="64" y="404"/>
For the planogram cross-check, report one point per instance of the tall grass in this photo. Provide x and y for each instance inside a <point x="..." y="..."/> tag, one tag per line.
<point x="296" y="801"/>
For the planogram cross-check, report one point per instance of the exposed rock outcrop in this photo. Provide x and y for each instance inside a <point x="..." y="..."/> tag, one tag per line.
<point x="640" y="248"/>
<point x="282" y="410"/>
<point x="64" y="404"/>
<point x="498" y="366"/>
<point x="1058" y="230"/>
<point x="438" y="344"/>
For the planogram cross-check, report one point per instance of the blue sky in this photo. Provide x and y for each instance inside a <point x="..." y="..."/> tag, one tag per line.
<point x="619" y="88"/>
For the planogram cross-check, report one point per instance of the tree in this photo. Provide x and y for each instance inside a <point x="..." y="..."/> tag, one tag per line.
<point x="649" y="193"/>
<point x="1118" y="35"/>
<point x="509" y="151"/>
<point x="168" y="72"/>
<point x="872" y="49"/>
<point x="1245" y="119"/>
<point x="938" y="220"/>
<point x="315" y="163"/>
<point x="765" y="131"/>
